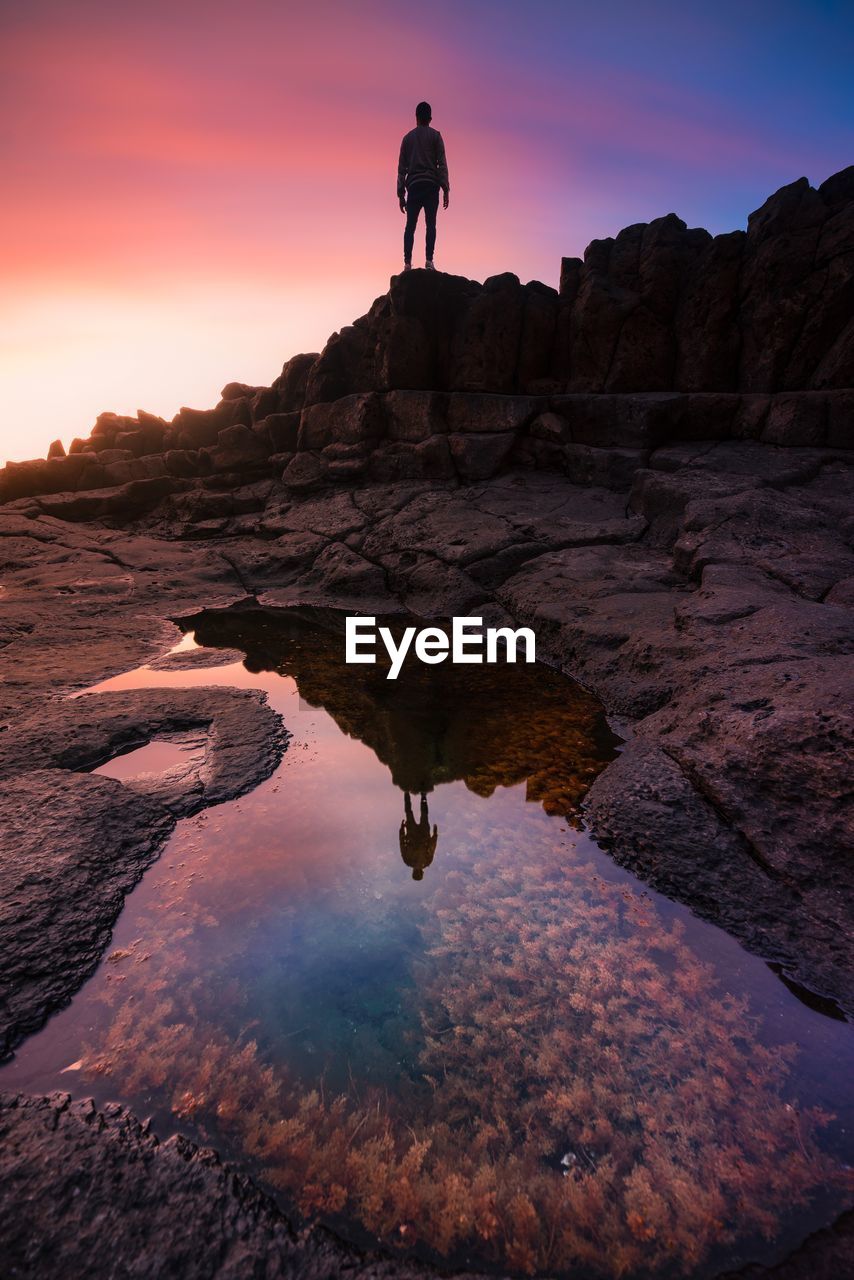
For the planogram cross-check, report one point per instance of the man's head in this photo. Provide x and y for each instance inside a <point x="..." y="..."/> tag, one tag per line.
<point x="423" y="113"/>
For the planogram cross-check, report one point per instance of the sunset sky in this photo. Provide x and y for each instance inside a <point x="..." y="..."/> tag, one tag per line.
<point x="194" y="192"/>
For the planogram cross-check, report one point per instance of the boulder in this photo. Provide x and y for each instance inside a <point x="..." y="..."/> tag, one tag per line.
<point x="799" y="419"/>
<point x="487" y="338"/>
<point x="345" y="365"/>
<point x="106" y="456"/>
<point x="192" y="428"/>
<point x="634" y="422"/>
<point x="706" y="320"/>
<point x="428" y="459"/>
<point x="413" y="415"/>
<point x="22" y="479"/>
<point x="110" y="424"/>
<point x="305" y="471"/>
<point x="281" y="429"/>
<point x="480" y="455"/>
<point x="644" y="357"/>
<point x="609" y="468"/>
<point x="290" y="386"/>
<point x="237" y="391"/>
<point x="550" y="427"/>
<point x="489" y="413"/>
<point x="779" y="284"/>
<point x="239" y="447"/>
<point x="264" y="402"/>
<point x="606" y="296"/>
<point x="181" y="462"/>
<point x="534" y="362"/>
<point x="840" y="419"/>
<point x="349" y="420"/>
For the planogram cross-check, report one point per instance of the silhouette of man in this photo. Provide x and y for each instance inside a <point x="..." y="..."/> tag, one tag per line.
<point x="422" y="171"/>
<point x="417" y="844"/>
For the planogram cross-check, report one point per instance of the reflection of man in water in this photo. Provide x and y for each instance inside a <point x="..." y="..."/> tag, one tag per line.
<point x="417" y="844"/>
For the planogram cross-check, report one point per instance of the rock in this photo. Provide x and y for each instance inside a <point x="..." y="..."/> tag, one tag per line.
<point x="604" y="300"/>
<point x="305" y="471"/>
<point x="346" y="462"/>
<point x="282" y="430"/>
<point x="796" y="420"/>
<point x="345" y="366"/>
<point x="550" y="427"/>
<point x="413" y="415"/>
<point x="122" y="503"/>
<point x="400" y="460"/>
<point x="489" y="413"/>
<point x="840" y="419"/>
<point x="109" y="424"/>
<point x="478" y="456"/>
<point x="342" y="574"/>
<point x="645" y="355"/>
<point x="237" y="391"/>
<point x="182" y="462"/>
<point x="21" y="479"/>
<point x="239" y="447"/>
<point x="333" y="516"/>
<point x="56" y="450"/>
<point x="779" y="285"/>
<point x="663" y="499"/>
<point x="639" y="421"/>
<point x="80" y="844"/>
<point x="487" y="338"/>
<point x="350" y="420"/>
<point x="106" y="456"/>
<point x="262" y="403"/>
<point x="193" y="428"/>
<point x="270" y="569"/>
<point x="445" y="526"/>
<point x="291" y="383"/>
<point x="609" y="468"/>
<point x="535" y="359"/>
<point x="706" y="321"/>
<point x="417" y="331"/>
<point x="150" y="1208"/>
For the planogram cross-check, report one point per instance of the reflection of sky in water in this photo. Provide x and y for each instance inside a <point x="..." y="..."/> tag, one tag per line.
<point x="284" y="931"/>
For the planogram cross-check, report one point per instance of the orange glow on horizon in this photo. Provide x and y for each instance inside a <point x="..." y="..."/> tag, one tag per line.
<point x="196" y="194"/>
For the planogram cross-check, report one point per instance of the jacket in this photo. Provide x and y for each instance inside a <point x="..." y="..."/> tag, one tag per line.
<point x="422" y="159"/>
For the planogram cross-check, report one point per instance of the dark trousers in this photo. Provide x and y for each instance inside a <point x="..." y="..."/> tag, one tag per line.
<point x="421" y="195"/>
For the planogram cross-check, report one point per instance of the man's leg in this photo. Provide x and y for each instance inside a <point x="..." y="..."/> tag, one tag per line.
<point x="431" y="205"/>
<point x="413" y="208"/>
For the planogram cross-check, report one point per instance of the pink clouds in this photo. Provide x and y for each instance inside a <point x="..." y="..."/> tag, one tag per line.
<point x="226" y="151"/>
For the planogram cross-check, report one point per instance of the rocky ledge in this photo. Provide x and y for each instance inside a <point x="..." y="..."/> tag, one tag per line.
<point x="652" y="467"/>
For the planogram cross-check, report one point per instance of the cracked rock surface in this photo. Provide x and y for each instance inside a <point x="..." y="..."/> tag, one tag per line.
<point x="710" y="607"/>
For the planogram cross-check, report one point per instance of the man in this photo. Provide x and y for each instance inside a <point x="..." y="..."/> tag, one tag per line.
<point x="417" y="842"/>
<point x="422" y="171"/>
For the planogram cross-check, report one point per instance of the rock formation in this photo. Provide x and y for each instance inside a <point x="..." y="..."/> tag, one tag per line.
<point x="660" y="334"/>
<point x="652" y="466"/>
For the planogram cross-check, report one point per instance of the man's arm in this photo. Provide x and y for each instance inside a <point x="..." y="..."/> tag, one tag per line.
<point x="442" y="168"/>
<point x="402" y="167"/>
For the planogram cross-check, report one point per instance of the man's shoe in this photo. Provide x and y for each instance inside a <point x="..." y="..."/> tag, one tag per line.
<point x="428" y="265"/>
<point x="407" y="266"/>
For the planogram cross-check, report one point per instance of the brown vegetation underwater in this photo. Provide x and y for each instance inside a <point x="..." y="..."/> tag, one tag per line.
<point x="520" y="1061"/>
<point x="585" y="1093"/>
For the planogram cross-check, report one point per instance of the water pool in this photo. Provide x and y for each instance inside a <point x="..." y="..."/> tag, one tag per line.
<point x="400" y="984"/>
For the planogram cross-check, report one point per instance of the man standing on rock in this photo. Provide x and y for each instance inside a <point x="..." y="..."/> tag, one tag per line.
<point x="422" y="171"/>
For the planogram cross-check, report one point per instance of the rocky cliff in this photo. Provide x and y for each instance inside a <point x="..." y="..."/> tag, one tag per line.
<point x="675" y="522"/>
<point x="661" y="334"/>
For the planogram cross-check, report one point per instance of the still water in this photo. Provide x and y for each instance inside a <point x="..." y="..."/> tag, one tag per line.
<point x="400" y="984"/>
